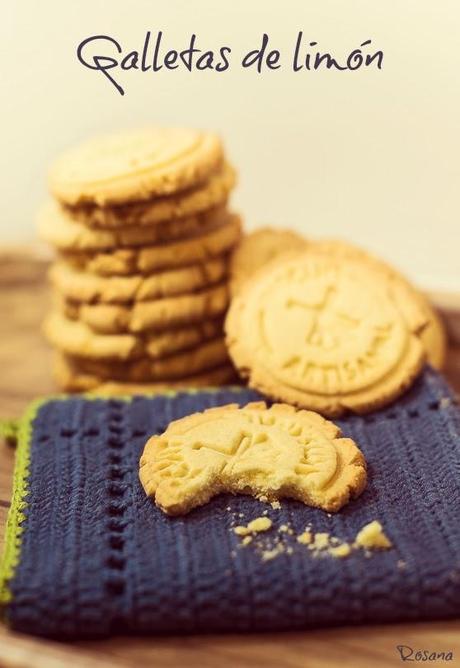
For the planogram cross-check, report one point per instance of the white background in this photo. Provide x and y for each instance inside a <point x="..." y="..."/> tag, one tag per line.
<point x="371" y="156"/>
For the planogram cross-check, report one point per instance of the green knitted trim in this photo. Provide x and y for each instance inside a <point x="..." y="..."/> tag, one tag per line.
<point x="23" y="430"/>
<point x="9" y="430"/>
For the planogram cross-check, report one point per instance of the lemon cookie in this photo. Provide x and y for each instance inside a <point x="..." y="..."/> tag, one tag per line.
<point x="164" y="210"/>
<point x="82" y="286"/>
<point x="57" y="227"/>
<point x="205" y="356"/>
<point x="326" y="333"/>
<point x="157" y="315"/>
<point x="272" y="453"/>
<point x="258" y="248"/>
<point x="77" y="339"/>
<point x="150" y="259"/>
<point x="135" y="165"/>
<point x="71" y="378"/>
<point x="433" y="335"/>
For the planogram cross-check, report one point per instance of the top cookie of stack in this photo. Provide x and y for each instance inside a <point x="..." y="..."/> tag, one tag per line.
<point x="142" y="231"/>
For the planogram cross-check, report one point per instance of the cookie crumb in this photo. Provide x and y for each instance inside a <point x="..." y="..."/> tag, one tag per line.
<point x="305" y="538"/>
<point x="401" y="564"/>
<point x="321" y="542"/>
<point x="246" y="540"/>
<point x="276" y="505"/>
<point x="340" y="551"/>
<point x="372" y="536"/>
<point x="259" y="524"/>
<point x="268" y="555"/>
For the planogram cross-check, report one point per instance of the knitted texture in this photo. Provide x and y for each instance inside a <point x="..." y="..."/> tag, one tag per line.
<point x="96" y="556"/>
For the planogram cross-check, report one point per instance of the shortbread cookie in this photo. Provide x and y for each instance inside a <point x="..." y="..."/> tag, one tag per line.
<point x="77" y="339"/>
<point x="71" y="379"/>
<point x="135" y="165"/>
<point x="270" y="453"/>
<point x="205" y="356"/>
<point x="326" y="333"/>
<point x="156" y="315"/>
<point x="150" y="259"/>
<point x="164" y="210"/>
<point x="81" y="286"/>
<point x="258" y="248"/>
<point x="57" y="227"/>
<point x="433" y="335"/>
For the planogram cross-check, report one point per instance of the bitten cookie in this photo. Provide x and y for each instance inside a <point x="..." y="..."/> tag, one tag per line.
<point x="257" y="249"/>
<point x="330" y="334"/>
<point x="270" y="453"/>
<point x="135" y="165"/>
<point x="160" y="210"/>
<point x="81" y="286"/>
<point x="150" y="259"/>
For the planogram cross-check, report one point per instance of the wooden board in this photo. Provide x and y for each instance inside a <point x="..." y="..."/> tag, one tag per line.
<point x="25" y="373"/>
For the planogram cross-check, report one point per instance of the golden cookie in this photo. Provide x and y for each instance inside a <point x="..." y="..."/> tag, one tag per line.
<point x="273" y="453"/>
<point x="164" y="210"/>
<point x="57" y="227"/>
<point x="135" y="165"/>
<point x="81" y="286"/>
<point x="77" y="339"/>
<point x="71" y="379"/>
<point x="326" y="333"/>
<point x="433" y="335"/>
<point x="150" y="259"/>
<point x="205" y="356"/>
<point x="257" y="249"/>
<point x="156" y="315"/>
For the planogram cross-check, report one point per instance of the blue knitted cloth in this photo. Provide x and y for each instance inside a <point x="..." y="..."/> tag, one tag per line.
<point x="95" y="556"/>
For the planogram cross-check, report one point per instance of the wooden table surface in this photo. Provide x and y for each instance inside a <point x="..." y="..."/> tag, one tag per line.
<point x="25" y="374"/>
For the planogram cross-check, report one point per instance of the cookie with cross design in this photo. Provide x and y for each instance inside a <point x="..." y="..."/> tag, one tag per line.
<point x="327" y="333"/>
<point x="270" y="453"/>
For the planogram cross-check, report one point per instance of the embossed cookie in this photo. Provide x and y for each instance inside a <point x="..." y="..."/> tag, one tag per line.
<point x="205" y="356"/>
<point x="57" y="227"/>
<point x="161" y="210"/>
<point x="71" y="378"/>
<point x="258" y="248"/>
<point x="433" y="335"/>
<point x="326" y="333"/>
<point x="82" y="286"/>
<point x="270" y="453"/>
<point x="135" y="165"/>
<point x="150" y="259"/>
<point x="156" y="315"/>
<point x="77" y="339"/>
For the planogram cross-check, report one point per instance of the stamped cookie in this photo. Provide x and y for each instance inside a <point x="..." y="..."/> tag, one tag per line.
<point x="77" y="339"/>
<point x="161" y="210"/>
<point x="149" y="259"/>
<point x="72" y="379"/>
<point x="57" y="227"/>
<point x="135" y="165"/>
<point x="331" y="334"/>
<point x="156" y="315"/>
<point x="258" y="248"/>
<point x="270" y="453"/>
<point x="205" y="356"/>
<point x="81" y="286"/>
<point x="433" y="335"/>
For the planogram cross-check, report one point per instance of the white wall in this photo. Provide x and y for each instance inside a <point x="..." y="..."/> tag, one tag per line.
<point x="372" y="156"/>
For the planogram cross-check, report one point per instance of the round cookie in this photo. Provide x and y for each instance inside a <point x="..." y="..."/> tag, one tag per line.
<point x="156" y="315"/>
<point x="81" y="286"/>
<point x="71" y="379"/>
<point x="78" y="340"/>
<point x="57" y="227"/>
<point x="269" y="453"/>
<point x="205" y="356"/>
<point x="150" y="259"/>
<point x="161" y="210"/>
<point x="135" y="165"/>
<point x="326" y="333"/>
<point x="257" y="249"/>
<point x="433" y="335"/>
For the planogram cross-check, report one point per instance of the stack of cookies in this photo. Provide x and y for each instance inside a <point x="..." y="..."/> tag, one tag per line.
<point x="143" y="237"/>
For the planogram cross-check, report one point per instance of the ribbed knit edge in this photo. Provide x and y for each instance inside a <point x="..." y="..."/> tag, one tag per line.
<point x="23" y="430"/>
